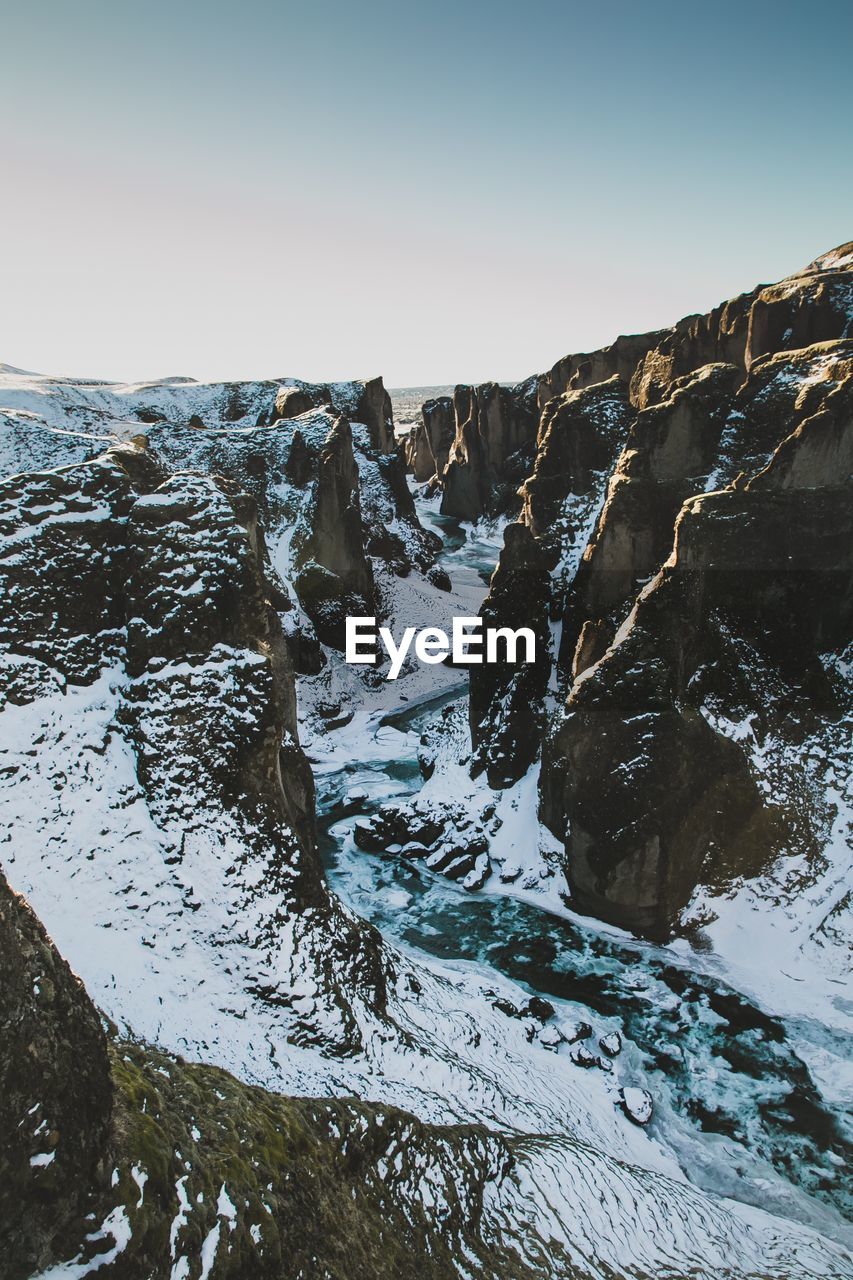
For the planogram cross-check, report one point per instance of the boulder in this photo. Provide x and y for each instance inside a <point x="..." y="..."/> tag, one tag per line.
<point x="637" y="1105"/>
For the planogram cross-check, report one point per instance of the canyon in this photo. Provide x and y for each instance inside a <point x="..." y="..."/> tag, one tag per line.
<point x="526" y="969"/>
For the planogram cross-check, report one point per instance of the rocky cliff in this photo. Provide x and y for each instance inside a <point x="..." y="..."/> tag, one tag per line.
<point x="56" y="1096"/>
<point x="708" y="470"/>
<point x="174" y="601"/>
<point x="477" y="445"/>
<point x="505" y="741"/>
<point x="810" y="307"/>
<point x="647" y="777"/>
<point x="427" y="447"/>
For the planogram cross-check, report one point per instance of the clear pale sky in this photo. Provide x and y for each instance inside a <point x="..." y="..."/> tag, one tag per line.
<point x="436" y="192"/>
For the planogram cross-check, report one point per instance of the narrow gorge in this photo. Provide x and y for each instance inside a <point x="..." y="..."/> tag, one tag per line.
<point x="522" y="970"/>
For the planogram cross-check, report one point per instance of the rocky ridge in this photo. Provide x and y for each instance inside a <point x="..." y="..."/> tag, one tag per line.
<point x="729" y="434"/>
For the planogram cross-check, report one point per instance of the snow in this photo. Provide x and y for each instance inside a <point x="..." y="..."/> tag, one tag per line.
<point x="140" y="1177"/>
<point x="116" y="1227"/>
<point x="637" y="1103"/>
<point x="81" y="839"/>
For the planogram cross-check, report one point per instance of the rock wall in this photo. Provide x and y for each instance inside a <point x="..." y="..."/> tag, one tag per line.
<point x="165" y="580"/>
<point x="366" y="402"/>
<point x="56" y="1096"/>
<point x="648" y="796"/>
<point x="689" y="497"/>
<point x="712" y="427"/>
<point x="427" y="448"/>
<point x="336" y="577"/>
<point x="495" y="427"/>
<point x="506" y="706"/>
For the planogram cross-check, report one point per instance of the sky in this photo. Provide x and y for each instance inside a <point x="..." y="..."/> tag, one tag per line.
<point x="434" y="192"/>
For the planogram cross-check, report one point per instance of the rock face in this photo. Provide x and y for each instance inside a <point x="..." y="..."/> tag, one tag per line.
<point x="689" y="498"/>
<point x="132" y="557"/>
<point x="648" y="794"/>
<point x="440" y="835"/>
<point x="366" y="402"/>
<point x="325" y="494"/>
<point x="579" y="434"/>
<point x="711" y="428"/>
<point x="337" y="577"/>
<point x="428" y="446"/>
<point x="620" y="360"/>
<point x="56" y="1096"/>
<point x="506" y="707"/>
<point x="494" y="424"/>
<point x="670" y="450"/>
<point x="477" y="445"/>
<point x="172" y="594"/>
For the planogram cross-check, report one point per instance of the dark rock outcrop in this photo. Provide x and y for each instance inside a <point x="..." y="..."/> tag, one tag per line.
<point x="325" y="491"/>
<point x="620" y="359"/>
<point x="443" y="836"/>
<point x="177" y="604"/>
<point x="373" y="408"/>
<point x="56" y="1096"/>
<point x="733" y="429"/>
<point x="430" y="441"/>
<point x="366" y="402"/>
<point x="718" y="337"/>
<point x="337" y="577"/>
<point x="204" y="530"/>
<point x="170" y="575"/>
<point x="494" y="425"/>
<point x="292" y="402"/>
<point x="392" y="531"/>
<point x="706" y="432"/>
<point x="669" y="452"/>
<point x="648" y="795"/>
<point x="579" y="435"/>
<point x="506" y="705"/>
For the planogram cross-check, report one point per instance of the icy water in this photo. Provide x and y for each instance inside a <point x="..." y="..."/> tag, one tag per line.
<point x="733" y="1100"/>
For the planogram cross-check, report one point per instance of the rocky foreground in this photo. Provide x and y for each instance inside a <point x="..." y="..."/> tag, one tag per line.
<point x="237" y="1076"/>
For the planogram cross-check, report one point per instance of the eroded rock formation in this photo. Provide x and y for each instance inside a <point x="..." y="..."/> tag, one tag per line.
<point x="336" y="576"/>
<point x="429" y="443"/>
<point x="706" y="468"/>
<point x="506" y="706"/>
<point x="642" y="777"/>
<point x="172" y="594"/>
<point x="56" y="1096"/>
